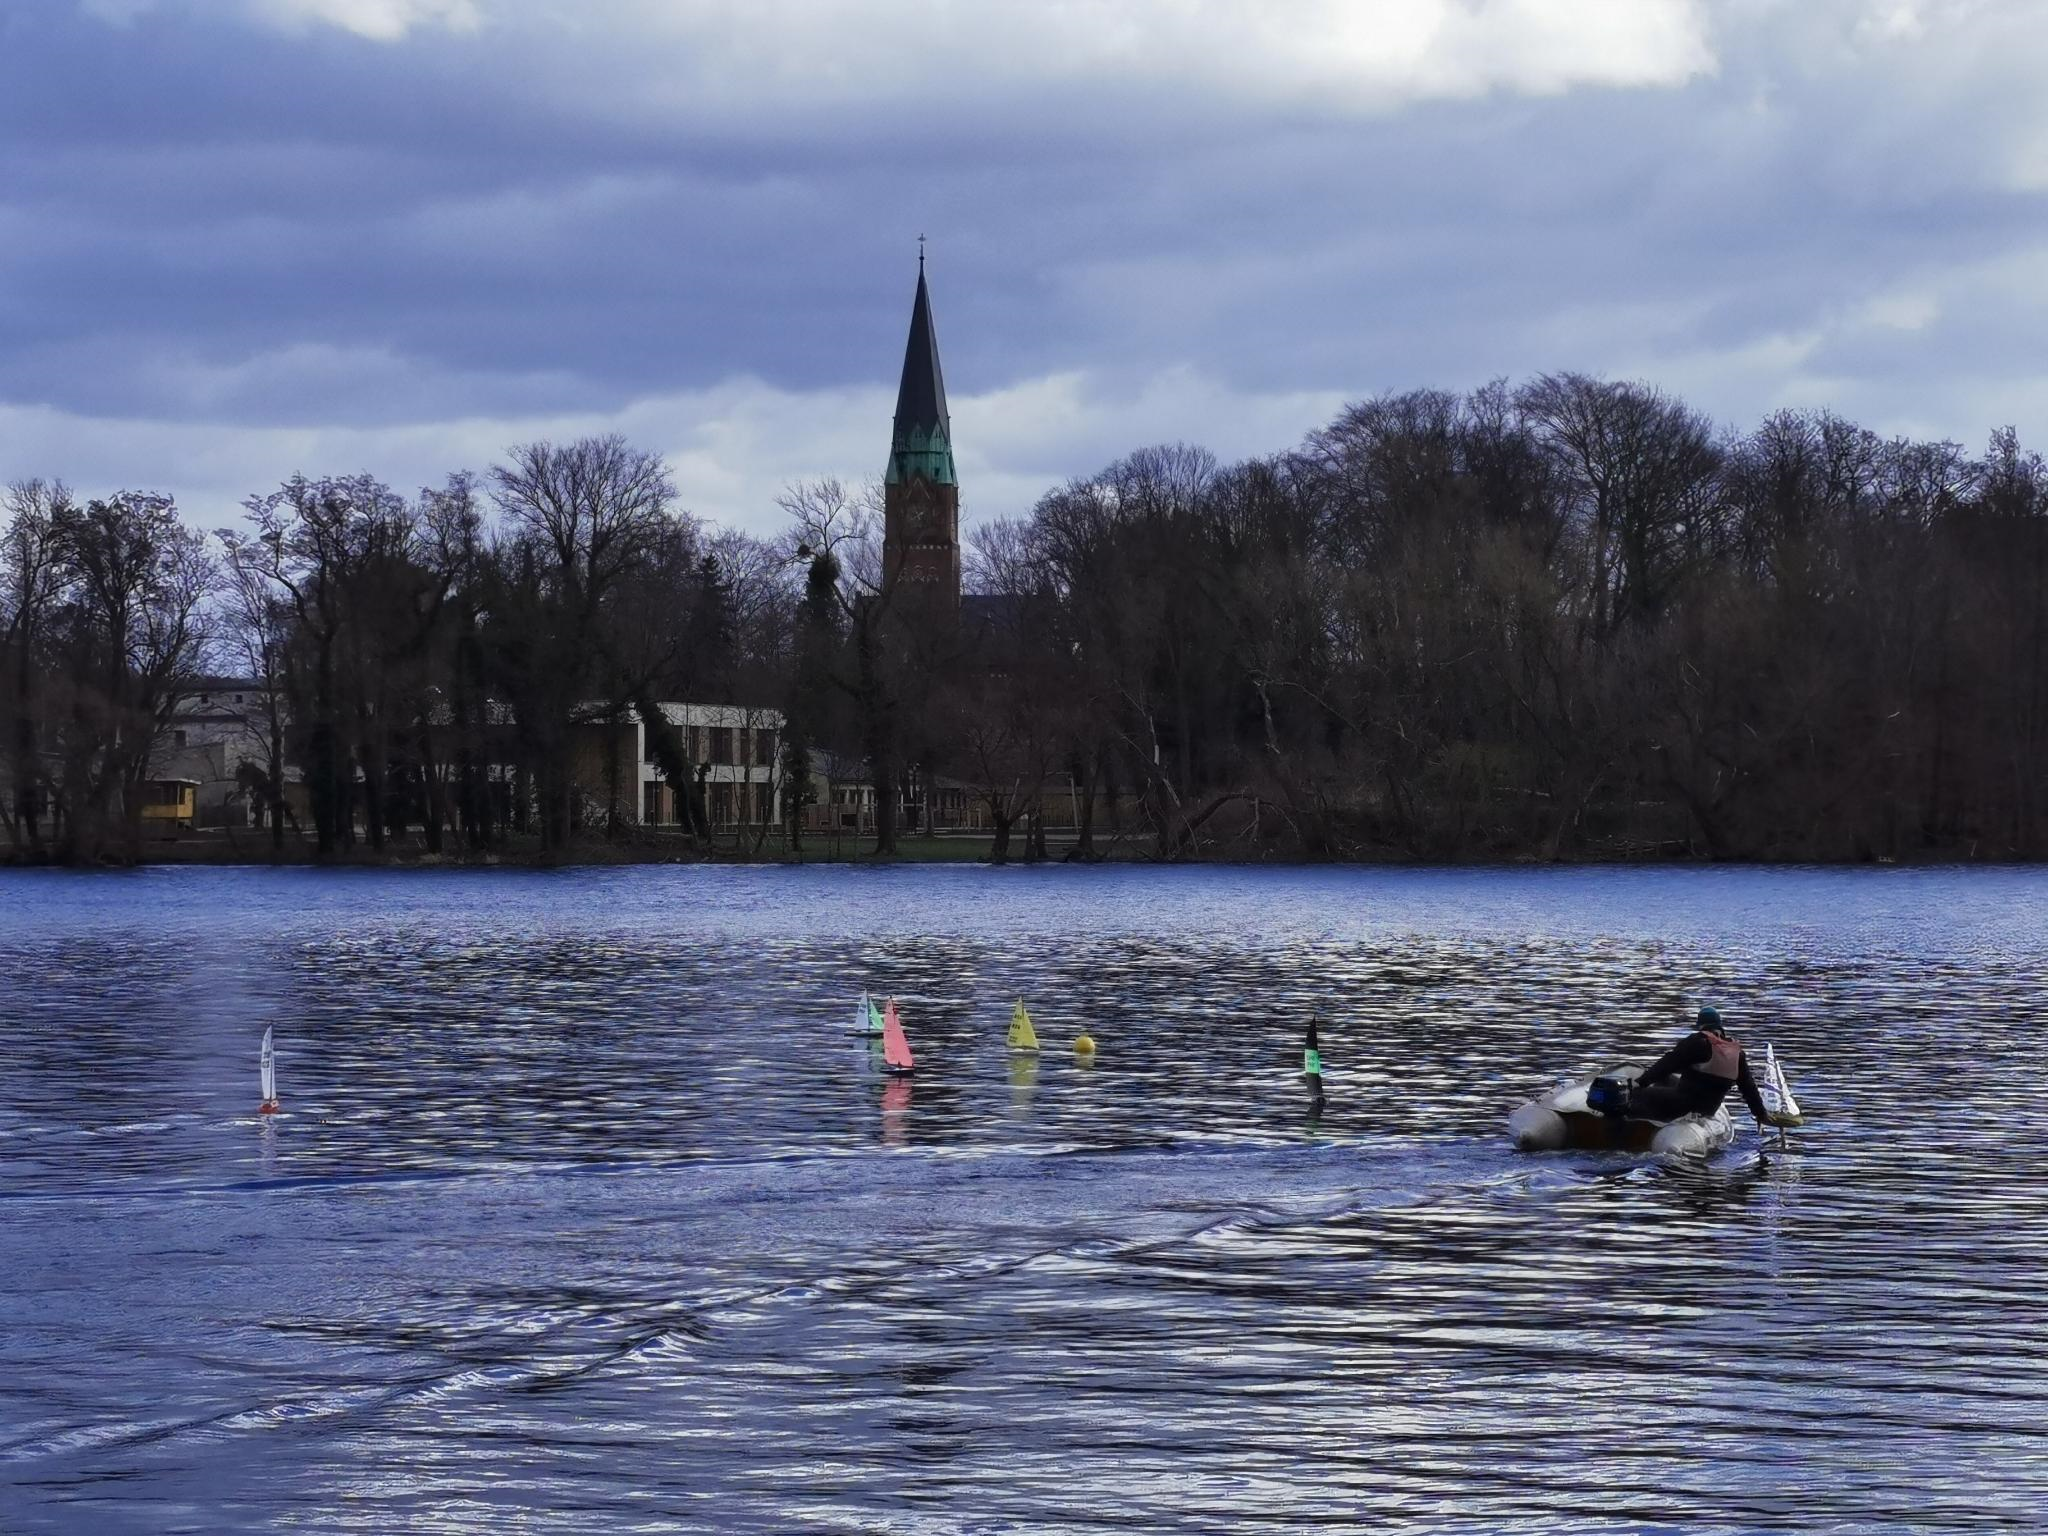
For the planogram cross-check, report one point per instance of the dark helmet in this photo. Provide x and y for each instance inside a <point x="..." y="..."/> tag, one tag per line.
<point x="1710" y="1018"/>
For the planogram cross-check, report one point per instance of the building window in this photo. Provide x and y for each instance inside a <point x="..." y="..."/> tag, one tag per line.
<point x="650" y="811"/>
<point x="721" y="804"/>
<point x="764" y="749"/>
<point x="721" y="744"/>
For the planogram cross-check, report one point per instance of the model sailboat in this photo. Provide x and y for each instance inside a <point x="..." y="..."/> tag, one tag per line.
<point x="267" y="1071"/>
<point x="1022" y="1036"/>
<point x="870" y="1020"/>
<point x="1775" y="1091"/>
<point x="895" y="1048"/>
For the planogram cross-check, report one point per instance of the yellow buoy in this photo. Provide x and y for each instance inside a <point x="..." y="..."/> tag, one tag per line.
<point x="1084" y="1045"/>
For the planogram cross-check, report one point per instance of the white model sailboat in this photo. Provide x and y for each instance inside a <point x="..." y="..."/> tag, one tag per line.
<point x="267" y="1072"/>
<point x="1775" y="1091"/>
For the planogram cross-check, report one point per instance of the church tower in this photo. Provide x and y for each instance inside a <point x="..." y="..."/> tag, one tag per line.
<point x="921" y="492"/>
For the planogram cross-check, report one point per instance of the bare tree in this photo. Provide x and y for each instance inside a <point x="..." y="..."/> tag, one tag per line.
<point x="1644" y="473"/>
<point x="841" y="534"/>
<point x="131" y="633"/>
<point x="326" y="544"/>
<point x="256" y="633"/>
<point x="578" y="520"/>
<point x="32" y="567"/>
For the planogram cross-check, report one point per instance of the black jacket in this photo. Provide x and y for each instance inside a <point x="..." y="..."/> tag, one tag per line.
<point x="1704" y="1093"/>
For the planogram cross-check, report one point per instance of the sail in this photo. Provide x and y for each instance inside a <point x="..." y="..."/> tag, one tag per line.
<point x="895" y="1049"/>
<point x="869" y="1021"/>
<point x="1022" y="1036"/>
<point x="874" y="1018"/>
<point x="268" y="1070"/>
<point x="1775" y="1091"/>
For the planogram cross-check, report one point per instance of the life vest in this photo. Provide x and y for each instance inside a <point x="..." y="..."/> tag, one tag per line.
<point x="1724" y="1059"/>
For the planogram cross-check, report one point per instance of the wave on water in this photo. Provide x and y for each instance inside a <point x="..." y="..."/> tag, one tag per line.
<point x="584" y="1190"/>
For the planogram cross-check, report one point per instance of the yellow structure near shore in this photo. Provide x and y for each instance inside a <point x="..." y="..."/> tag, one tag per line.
<point x="169" y="804"/>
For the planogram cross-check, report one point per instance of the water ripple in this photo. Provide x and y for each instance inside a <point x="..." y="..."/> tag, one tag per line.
<point x="587" y="1211"/>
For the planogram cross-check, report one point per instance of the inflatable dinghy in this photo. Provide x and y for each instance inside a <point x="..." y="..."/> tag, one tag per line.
<point x="1562" y="1118"/>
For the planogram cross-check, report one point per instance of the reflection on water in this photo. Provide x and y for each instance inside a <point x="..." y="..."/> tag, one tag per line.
<point x="587" y="1210"/>
<point x="895" y="1111"/>
<point x="1023" y="1083"/>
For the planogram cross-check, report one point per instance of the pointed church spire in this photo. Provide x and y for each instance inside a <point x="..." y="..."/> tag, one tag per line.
<point x="921" y="493"/>
<point x="923" y="440"/>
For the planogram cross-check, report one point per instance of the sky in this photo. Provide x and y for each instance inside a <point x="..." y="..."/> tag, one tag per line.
<point x="242" y="239"/>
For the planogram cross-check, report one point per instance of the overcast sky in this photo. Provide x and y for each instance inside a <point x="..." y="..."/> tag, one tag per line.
<point x="244" y="238"/>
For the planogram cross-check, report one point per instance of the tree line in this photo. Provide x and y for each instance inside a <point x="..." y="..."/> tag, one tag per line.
<point x="1567" y="619"/>
<point x="417" y="663"/>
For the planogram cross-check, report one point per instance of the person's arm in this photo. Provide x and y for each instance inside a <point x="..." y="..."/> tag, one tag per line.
<point x="1747" y="1085"/>
<point x="1689" y="1052"/>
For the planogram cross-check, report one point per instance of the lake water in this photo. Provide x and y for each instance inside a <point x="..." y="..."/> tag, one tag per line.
<point x="588" y="1212"/>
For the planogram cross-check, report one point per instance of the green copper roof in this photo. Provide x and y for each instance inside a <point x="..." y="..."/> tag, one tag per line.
<point x="923" y="440"/>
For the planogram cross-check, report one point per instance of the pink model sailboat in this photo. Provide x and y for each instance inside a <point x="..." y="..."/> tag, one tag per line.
<point x="895" y="1049"/>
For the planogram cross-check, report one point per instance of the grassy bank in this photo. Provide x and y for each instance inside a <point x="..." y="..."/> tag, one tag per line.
<point x="641" y="847"/>
<point x="662" y="846"/>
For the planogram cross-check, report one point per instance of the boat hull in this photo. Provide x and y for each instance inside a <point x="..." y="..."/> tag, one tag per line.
<point x="1560" y="1120"/>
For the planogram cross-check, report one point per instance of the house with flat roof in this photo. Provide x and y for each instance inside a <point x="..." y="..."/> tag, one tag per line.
<point x="734" y="757"/>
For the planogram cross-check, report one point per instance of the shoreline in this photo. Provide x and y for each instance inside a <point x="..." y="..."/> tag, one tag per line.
<point x="209" y="850"/>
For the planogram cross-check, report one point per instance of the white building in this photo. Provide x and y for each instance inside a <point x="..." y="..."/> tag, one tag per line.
<point x="221" y="726"/>
<point x="734" y="753"/>
<point x="214" y="729"/>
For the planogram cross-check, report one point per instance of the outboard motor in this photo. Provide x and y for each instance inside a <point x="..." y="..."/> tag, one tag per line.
<point x="1607" y="1096"/>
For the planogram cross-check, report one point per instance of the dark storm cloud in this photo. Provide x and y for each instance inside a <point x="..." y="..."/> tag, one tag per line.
<point x="218" y="189"/>
<point x="230" y="227"/>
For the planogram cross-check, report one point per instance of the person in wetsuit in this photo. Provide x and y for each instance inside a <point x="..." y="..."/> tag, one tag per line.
<point x="1706" y="1064"/>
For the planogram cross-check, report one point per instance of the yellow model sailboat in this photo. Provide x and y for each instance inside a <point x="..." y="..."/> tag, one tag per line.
<point x="1022" y="1036"/>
